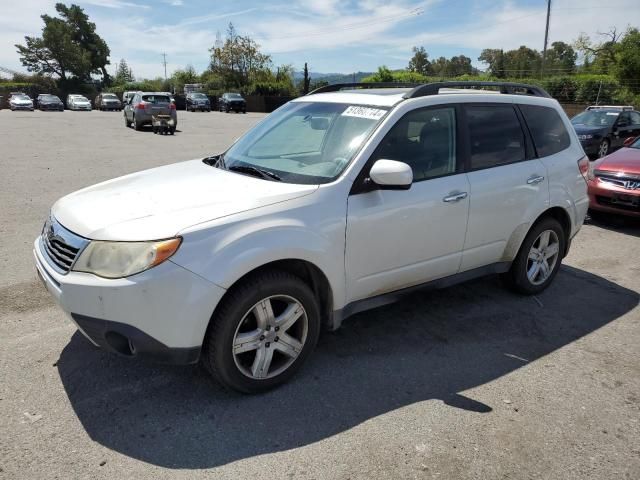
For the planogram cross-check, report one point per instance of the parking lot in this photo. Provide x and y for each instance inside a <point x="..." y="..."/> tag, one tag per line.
<point x="471" y="382"/>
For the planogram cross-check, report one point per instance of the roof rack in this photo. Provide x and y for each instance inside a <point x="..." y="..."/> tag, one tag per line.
<point x="363" y="85"/>
<point x="425" y="89"/>
<point x="610" y="107"/>
<point x="505" y="88"/>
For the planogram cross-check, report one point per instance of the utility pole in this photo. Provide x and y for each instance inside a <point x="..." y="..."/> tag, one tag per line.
<point x="546" y="38"/>
<point x="164" y="62"/>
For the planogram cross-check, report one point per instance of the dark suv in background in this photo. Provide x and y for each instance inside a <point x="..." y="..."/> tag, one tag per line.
<point x="232" y="101"/>
<point x="198" y="101"/>
<point x="602" y="129"/>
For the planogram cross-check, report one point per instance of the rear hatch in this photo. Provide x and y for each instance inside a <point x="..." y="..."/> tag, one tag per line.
<point x="159" y="104"/>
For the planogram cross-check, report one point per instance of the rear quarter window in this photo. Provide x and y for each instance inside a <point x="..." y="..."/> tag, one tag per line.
<point x="547" y="129"/>
<point x="156" y="98"/>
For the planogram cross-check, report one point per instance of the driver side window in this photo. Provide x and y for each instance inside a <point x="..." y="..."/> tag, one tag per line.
<point x="425" y="139"/>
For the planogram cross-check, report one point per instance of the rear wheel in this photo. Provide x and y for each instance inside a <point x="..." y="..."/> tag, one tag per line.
<point x="603" y="148"/>
<point x="136" y="125"/>
<point x="263" y="331"/>
<point x="126" y="122"/>
<point x="539" y="258"/>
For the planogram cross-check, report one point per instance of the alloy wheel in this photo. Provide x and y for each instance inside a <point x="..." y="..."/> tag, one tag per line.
<point x="543" y="257"/>
<point x="603" y="149"/>
<point x="270" y="337"/>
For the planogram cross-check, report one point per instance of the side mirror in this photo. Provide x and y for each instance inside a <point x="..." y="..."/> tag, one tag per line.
<point x="391" y="175"/>
<point x="629" y="141"/>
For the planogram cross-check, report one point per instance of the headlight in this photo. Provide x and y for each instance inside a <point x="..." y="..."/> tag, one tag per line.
<point x="585" y="137"/>
<point x="123" y="259"/>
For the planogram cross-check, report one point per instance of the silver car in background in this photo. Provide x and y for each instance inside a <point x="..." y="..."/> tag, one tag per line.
<point x="145" y="105"/>
<point x="20" y="101"/>
<point x="78" y="102"/>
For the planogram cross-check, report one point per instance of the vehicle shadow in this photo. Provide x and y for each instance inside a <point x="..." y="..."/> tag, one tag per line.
<point x="430" y="346"/>
<point x="615" y="223"/>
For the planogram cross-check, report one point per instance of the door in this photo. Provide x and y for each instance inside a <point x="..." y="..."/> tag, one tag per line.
<point x="398" y="239"/>
<point x="622" y="130"/>
<point x="508" y="187"/>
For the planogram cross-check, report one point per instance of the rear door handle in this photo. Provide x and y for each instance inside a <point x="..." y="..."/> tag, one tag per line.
<point x="536" y="179"/>
<point x="455" y="197"/>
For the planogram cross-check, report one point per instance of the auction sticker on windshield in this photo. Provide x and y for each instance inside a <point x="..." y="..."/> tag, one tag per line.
<point x="364" y="112"/>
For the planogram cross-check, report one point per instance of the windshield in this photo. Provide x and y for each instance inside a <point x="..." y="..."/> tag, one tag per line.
<point x="51" y="98"/>
<point x="595" y="118"/>
<point x="198" y="95"/>
<point x="234" y="95"/>
<point x="156" y="98"/>
<point x="22" y="97"/>
<point x="109" y="95"/>
<point x="308" y="143"/>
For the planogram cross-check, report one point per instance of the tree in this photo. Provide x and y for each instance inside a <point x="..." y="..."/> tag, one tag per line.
<point x="600" y="56"/>
<point x="238" y="60"/>
<point x="523" y="62"/>
<point x="494" y="58"/>
<point x="180" y="77"/>
<point x="627" y="56"/>
<point x="561" y="59"/>
<point x="419" y="63"/>
<point x="68" y="46"/>
<point x="306" y="80"/>
<point x="124" y="74"/>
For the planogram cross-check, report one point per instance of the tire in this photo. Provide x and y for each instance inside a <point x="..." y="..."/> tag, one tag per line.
<point x="136" y="125"/>
<point x="172" y="130"/>
<point x="603" y="148"/>
<point x="523" y="277"/>
<point x="280" y="290"/>
<point x="126" y="122"/>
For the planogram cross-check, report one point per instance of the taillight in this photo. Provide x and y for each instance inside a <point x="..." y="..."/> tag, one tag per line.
<point x="585" y="168"/>
<point x="172" y="106"/>
<point x="142" y="105"/>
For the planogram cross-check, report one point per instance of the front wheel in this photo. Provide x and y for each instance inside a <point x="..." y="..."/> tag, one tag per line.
<point x="262" y="333"/>
<point x="539" y="258"/>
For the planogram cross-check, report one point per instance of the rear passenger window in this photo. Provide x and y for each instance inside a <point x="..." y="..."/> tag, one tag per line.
<point x="547" y="129"/>
<point x="495" y="135"/>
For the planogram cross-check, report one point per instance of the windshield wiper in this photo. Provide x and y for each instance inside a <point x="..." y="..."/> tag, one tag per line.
<point x="215" y="161"/>
<point x="256" y="172"/>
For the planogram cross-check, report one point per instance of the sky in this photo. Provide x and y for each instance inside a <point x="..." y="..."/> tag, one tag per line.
<point x="333" y="36"/>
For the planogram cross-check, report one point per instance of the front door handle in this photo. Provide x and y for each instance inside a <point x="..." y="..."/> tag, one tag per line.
<point x="455" y="197"/>
<point x="536" y="179"/>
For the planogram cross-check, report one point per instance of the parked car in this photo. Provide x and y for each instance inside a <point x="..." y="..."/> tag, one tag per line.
<point x="20" y="101"/>
<point x="50" y="102"/>
<point x="107" y="101"/>
<point x="127" y="96"/>
<point x="144" y="105"/>
<point x="232" y="101"/>
<point x="614" y="181"/>
<point x="78" y="102"/>
<point x="602" y="129"/>
<point x="337" y="202"/>
<point x="197" y="101"/>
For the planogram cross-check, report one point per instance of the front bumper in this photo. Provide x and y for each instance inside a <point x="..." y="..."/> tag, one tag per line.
<point x="591" y="145"/>
<point x="22" y="107"/>
<point x="609" y="198"/>
<point x="161" y="314"/>
<point x="53" y="107"/>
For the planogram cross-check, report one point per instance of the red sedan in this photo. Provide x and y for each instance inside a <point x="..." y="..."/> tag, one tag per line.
<point x="614" y="181"/>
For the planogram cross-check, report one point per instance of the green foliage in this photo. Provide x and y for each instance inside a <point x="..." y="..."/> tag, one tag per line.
<point x="69" y="46"/>
<point x="419" y="63"/>
<point x="627" y="55"/>
<point x="124" y="74"/>
<point x="180" y="77"/>
<point x="238" y="60"/>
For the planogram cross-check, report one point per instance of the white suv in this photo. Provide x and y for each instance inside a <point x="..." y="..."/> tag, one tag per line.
<point x="337" y="202"/>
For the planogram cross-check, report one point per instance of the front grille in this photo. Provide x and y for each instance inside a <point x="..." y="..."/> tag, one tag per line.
<point x="626" y="181"/>
<point x="61" y="246"/>
<point x="609" y="202"/>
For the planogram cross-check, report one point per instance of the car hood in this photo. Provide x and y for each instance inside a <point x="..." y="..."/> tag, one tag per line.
<point x="625" y="160"/>
<point x="159" y="203"/>
<point x="582" y="129"/>
<point x="21" y="101"/>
